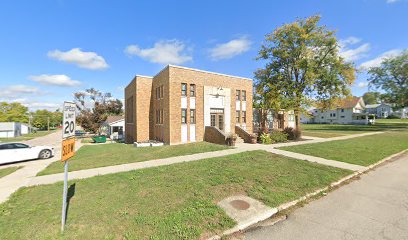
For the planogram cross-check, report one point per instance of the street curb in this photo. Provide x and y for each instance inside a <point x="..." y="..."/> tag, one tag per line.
<point x="287" y="205"/>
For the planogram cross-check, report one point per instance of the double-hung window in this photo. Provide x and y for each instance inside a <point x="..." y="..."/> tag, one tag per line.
<point x="184" y="89"/>
<point x="243" y="95"/>
<point x="192" y="90"/>
<point x="237" y="116"/>
<point x="192" y="116"/>
<point x="183" y="115"/>
<point x="238" y="95"/>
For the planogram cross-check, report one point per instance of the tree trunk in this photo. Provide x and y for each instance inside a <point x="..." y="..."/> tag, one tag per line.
<point x="297" y="120"/>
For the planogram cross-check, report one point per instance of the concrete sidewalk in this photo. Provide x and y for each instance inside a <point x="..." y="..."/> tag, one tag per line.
<point x="242" y="147"/>
<point x="48" y="179"/>
<point x="21" y="178"/>
<point x="374" y="207"/>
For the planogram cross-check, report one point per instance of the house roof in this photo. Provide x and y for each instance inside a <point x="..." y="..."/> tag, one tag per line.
<point x="372" y="105"/>
<point x="348" y="102"/>
<point x="112" y="119"/>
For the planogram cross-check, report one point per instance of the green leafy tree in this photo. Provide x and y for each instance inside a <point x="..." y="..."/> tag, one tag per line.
<point x="94" y="107"/>
<point x="13" y="112"/>
<point x="392" y="78"/>
<point x="303" y="62"/>
<point x="371" y="97"/>
<point x="41" y="118"/>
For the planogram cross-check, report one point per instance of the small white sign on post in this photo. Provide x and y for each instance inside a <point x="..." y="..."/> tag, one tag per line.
<point x="68" y="127"/>
<point x="68" y="131"/>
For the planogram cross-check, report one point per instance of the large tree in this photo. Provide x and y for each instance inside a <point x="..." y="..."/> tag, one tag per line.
<point x="43" y="117"/>
<point x="94" y="107"/>
<point x="13" y="112"/>
<point x="371" y="97"/>
<point x="304" y="65"/>
<point x="392" y="77"/>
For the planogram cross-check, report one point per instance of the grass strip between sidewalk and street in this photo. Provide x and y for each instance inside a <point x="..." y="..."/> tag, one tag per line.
<point x="116" y="153"/>
<point x="169" y="202"/>
<point x="7" y="171"/>
<point x="362" y="151"/>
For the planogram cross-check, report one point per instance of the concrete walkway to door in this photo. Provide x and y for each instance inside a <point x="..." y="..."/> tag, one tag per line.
<point x="48" y="179"/>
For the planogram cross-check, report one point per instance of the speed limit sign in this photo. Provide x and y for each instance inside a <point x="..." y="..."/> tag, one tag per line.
<point x="68" y="126"/>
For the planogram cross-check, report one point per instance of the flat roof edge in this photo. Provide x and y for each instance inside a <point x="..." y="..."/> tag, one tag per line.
<point x="204" y="71"/>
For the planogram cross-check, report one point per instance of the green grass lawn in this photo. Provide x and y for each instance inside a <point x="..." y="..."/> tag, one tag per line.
<point x="361" y="150"/>
<point x="169" y="202"/>
<point x="337" y="130"/>
<point x="7" y="171"/>
<point x="115" y="154"/>
<point x="27" y="136"/>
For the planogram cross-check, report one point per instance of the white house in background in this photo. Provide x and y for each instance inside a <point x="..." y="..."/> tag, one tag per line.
<point x="114" y="127"/>
<point x="308" y="117"/>
<point x="402" y="112"/>
<point x="348" y="111"/>
<point x="381" y="110"/>
<point x="10" y="129"/>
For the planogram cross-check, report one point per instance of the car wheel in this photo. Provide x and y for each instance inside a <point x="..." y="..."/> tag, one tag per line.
<point x="44" y="154"/>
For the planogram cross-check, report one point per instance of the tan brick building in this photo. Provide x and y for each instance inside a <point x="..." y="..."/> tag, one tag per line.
<point x="178" y="103"/>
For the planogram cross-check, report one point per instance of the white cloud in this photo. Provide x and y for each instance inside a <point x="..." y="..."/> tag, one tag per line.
<point x="163" y="52"/>
<point x="350" y="53"/>
<point x="88" y="60"/>
<point x="55" y="80"/>
<point x="362" y="84"/>
<point x="376" y="62"/>
<point x="18" y="91"/>
<point x="42" y="105"/>
<point x="230" y="49"/>
<point x="349" y="41"/>
<point x="392" y="1"/>
<point x="356" y="53"/>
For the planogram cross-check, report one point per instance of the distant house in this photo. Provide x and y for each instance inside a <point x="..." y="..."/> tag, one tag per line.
<point x="382" y="110"/>
<point x="402" y="112"/>
<point x="114" y="127"/>
<point x="282" y="120"/>
<point x="348" y="111"/>
<point x="10" y="129"/>
<point x="308" y="117"/>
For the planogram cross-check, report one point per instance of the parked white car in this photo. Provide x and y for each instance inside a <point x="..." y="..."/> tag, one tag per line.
<point x="16" y="152"/>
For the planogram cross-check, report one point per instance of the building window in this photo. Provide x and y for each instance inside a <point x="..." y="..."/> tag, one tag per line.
<point x="192" y="116"/>
<point x="342" y="110"/>
<point x="291" y="117"/>
<point x="184" y="89"/>
<point x="221" y="122"/>
<point x="129" y="110"/>
<point x="237" y="117"/>
<point x="192" y="90"/>
<point x="243" y="95"/>
<point x="243" y="116"/>
<point x="238" y="95"/>
<point x="161" y="116"/>
<point x="183" y="115"/>
<point x="334" y="114"/>
<point x="161" y="92"/>
<point x="212" y="120"/>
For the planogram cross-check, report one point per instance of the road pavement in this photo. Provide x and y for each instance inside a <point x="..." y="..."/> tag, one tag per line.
<point x="22" y="177"/>
<point x="374" y="207"/>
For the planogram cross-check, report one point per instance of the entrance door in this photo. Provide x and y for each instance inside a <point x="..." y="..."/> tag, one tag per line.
<point x="217" y="118"/>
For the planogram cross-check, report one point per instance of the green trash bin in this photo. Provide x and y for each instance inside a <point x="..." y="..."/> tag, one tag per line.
<point x="99" y="139"/>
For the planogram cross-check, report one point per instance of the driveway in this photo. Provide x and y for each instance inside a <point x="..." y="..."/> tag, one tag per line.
<point x="22" y="177"/>
<point x="374" y="207"/>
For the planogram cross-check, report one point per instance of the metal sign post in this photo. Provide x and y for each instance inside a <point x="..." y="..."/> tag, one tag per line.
<point x="67" y="151"/>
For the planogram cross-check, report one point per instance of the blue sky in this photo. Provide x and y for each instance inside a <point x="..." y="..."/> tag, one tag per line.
<point x="50" y="49"/>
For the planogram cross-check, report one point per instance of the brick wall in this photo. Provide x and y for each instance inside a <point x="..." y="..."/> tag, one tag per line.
<point x="214" y="135"/>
